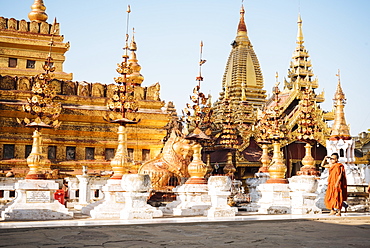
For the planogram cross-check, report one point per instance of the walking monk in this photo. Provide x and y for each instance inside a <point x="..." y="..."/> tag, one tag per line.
<point x="336" y="192"/>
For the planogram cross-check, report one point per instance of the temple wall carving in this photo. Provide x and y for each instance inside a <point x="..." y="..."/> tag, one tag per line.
<point x="24" y="26"/>
<point x="83" y="133"/>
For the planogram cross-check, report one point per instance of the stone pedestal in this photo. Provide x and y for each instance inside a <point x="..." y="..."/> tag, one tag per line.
<point x="275" y="198"/>
<point x="35" y="201"/>
<point x="302" y="195"/>
<point x="254" y="193"/>
<point x="219" y="189"/>
<point x="84" y="192"/>
<point x="191" y="199"/>
<point x="136" y="187"/>
<point x="111" y="205"/>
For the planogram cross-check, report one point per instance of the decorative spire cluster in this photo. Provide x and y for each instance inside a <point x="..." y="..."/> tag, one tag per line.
<point x="123" y="100"/>
<point x="300" y="72"/>
<point x="270" y="126"/>
<point x="199" y="114"/>
<point x="41" y="103"/>
<point x="307" y="122"/>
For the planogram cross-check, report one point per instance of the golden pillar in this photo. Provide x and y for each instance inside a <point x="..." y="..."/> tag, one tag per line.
<point x="36" y="160"/>
<point x="308" y="162"/>
<point x="197" y="169"/>
<point x="119" y="163"/>
<point x="265" y="159"/>
<point x="278" y="169"/>
<point x="229" y="168"/>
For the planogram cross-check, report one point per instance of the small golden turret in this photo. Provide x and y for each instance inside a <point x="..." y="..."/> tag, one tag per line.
<point x="340" y="129"/>
<point x="38" y="12"/>
<point x="300" y="73"/>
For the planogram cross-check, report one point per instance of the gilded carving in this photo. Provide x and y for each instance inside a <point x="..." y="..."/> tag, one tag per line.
<point x="139" y="93"/>
<point x="44" y="28"/>
<point x="97" y="90"/>
<point x="152" y="92"/>
<point x="24" y="84"/>
<point x="57" y="86"/>
<point x="12" y="24"/>
<point x="23" y="26"/>
<point x="34" y="27"/>
<point x="7" y="83"/>
<point x="83" y="89"/>
<point x="2" y="23"/>
<point x="110" y="90"/>
<point x="69" y="88"/>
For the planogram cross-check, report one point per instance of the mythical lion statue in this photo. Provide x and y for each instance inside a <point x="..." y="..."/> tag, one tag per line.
<point x="167" y="169"/>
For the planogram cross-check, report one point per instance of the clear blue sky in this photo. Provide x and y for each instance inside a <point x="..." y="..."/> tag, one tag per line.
<point x="168" y="33"/>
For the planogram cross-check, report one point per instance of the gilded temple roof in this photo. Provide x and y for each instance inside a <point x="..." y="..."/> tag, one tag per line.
<point x="242" y="80"/>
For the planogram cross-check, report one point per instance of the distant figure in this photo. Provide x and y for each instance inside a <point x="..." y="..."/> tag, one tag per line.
<point x="66" y="192"/>
<point x="9" y="174"/>
<point x="336" y="192"/>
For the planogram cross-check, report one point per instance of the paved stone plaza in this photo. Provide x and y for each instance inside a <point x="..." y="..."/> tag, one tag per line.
<point x="248" y="230"/>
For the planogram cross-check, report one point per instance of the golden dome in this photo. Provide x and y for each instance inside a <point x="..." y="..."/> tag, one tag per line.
<point x="38" y="12"/>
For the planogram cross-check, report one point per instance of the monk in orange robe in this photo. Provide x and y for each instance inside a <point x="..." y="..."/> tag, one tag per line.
<point x="336" y="192"/>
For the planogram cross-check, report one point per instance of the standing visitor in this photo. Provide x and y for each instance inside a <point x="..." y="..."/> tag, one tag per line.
<point x="336" y="192"/>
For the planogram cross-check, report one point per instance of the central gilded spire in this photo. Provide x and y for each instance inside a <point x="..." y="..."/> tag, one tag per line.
<point x="242" y="81"/>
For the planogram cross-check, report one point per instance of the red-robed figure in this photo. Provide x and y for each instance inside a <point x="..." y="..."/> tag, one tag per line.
<point x="336" y="192"/>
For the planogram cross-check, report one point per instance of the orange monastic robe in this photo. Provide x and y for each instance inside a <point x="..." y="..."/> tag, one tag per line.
<point x="336" y="195"/>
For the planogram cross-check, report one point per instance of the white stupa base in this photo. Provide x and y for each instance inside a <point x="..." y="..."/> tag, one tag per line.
<point x="302" y="195"/>
<point x="111" y="205"/>
<point x="191" y="199"/>
<point x="255" y="194"/>
<point x="219" y="190"/>
<point x="304" y="203"/>
<point x="137" y="208"/>
<point x="35" y="201"/>
<point x="136" y="187"/>
<point x="275" y="198"/>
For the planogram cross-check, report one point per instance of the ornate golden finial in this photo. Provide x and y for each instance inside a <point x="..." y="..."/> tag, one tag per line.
<point x="339" y="95"/>
<point x="38" y="12"/>
<point x="134" y="77"/>
<point x="242" y="27"/>
<point x="300" y="32"/>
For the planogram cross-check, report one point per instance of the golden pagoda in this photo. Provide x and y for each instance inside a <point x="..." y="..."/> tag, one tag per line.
<point x="235" y="111"/>
<point x="242" y="80"/>
<point x="84" y="138"/>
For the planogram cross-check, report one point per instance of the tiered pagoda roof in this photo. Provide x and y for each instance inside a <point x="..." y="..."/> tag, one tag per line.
<point x="298" y="101"/>
<point x="242" y="84"/>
